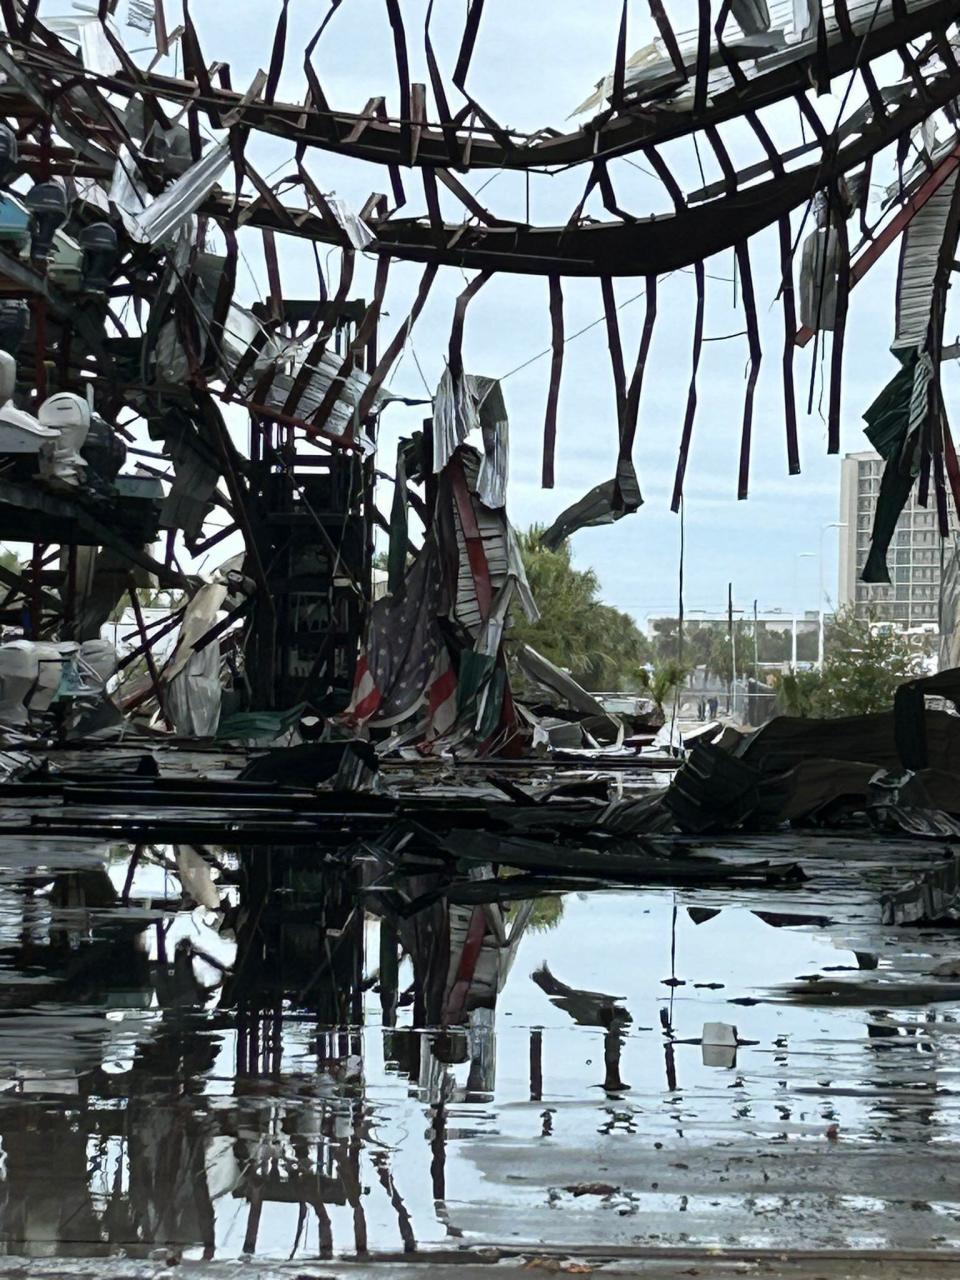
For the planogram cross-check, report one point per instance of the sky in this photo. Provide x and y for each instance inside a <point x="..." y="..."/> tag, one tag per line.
<point x="534" y="62"/>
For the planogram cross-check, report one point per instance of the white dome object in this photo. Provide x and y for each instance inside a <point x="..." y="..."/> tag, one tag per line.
<point x="20" y="432"/>
<point x="19" y="668"/>
<point x="70" y="414"/>
<point x="8" y="376"/>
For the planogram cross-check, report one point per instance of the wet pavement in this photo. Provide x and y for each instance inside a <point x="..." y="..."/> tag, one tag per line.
<point x="178" y="1082"/>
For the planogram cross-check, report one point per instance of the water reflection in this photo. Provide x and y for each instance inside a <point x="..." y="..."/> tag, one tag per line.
<point x="309" y="1068"/>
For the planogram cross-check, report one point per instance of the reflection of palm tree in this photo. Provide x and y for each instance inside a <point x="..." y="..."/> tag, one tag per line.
<point x="545" y="913"/>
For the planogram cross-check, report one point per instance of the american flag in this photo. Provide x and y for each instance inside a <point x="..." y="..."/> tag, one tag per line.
<point x="406" y="663"/>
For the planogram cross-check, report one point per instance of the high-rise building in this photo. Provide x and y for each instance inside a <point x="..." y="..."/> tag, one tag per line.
<point x="913" y="559"/>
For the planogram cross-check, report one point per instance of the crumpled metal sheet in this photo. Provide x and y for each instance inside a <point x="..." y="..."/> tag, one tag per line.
<point x="495" y="429"/>
<point x="454" y="417"/>
<point x="343" y="415"/>
<point x="919" y="255"/>
<point x="164" y="216"/>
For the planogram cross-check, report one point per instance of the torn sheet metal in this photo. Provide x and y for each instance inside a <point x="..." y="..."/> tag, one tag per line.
<point x="495" y="429"/>
<point x="162" y="218"/>
<point x="86" y="31"/>
<point x="191" y="679"/>
<point x="602" y="505"/>
<point x="919" y="257"/>
<point x="454" y="417"/>
<point x="543" y="672"/>
<point x="342" y="420"/>
<point x="357" y="231"/>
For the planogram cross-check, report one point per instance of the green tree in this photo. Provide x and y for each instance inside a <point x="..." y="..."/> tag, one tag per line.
<point x="600" y="646"/>
<point x="863" y="664"/>
<point x="662" y="682"/>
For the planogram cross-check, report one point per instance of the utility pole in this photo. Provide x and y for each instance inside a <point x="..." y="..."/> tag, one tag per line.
<point x="836" y="524"/>
<point x="756" y="646"/>
<point x="733" y="648"/>
<point x="801" y="555"/>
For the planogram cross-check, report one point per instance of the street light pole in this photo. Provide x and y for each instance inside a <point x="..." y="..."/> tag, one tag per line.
<point x="836" y="524"/>
<point x="801" y="555"/>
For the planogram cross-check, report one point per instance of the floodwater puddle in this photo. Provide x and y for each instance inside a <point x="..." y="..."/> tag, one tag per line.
<point x="287" y="1074"/>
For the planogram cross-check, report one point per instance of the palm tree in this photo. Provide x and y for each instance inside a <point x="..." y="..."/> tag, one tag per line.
<point x="662" y="681"/>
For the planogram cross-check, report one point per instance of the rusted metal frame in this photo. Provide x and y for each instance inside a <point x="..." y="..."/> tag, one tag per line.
<point x="403" y="74"/>
<point x="578" y="147"/>
<point x="374" y="109"/>
<point x="763" y="137"/>
<point x="620" y="135"/>
<point x="607" y="193"/>
<point x="11" y="17"/>
<point x="418" y="119"/>
<point x="789" y="329"/>
<point x="238" y="495"/>
<point x="160" y="34"/>
<point x="245" y="363"/>
<point x="820" y="64"/>
<point x="877" y="104"/>
<point x="730" y="62"/>
<point x="160" y="628"/>
<point x="21" y="585"/>
<point x="636" y="380"/>
<point x="455" y="351"/>
<point x="467" y="43"/>
<point x="194" y="66"/>
<point x="316" y="103"/>
<point x="731" y="180"/>
<point x="842" y="15"/>
<point x="616" y="351"/>
<point x="224" y="624"/>
<point x="397" y="342"/>
<point x="620" y="61"/>
<point x="466" y="198"/>
<point x="839" y="327"/>
<point x="147" y="648"/>
<point x="662" y="171"/>
<point x="276" y="55"/>
<point x="199" y="548"/>
<point x="866" y="232"/>
<point x="450" y="137"/>
<point x="702" y="71"/>
<point x="553" y="393"/>
<point x="269" y="197"/>
<point x="109" y="118"/>
<point x="660" y="245"/>
<point x="319" y="200"/>
<point x="225" y="290"/>
<point x="304" y="373"/>
<point x="912" y="69"/>
<point x="658" y="13"/>
<point x="891" y="232"/>
<point x="28" y="17"/>
<point x="354" y="351"/>
<point x="756" y="355"/>
<point x="692" y="391"/>
<point x="272" y="261"/>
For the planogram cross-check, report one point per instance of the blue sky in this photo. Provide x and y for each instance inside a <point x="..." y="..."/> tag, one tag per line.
<point x="533" y="63"/>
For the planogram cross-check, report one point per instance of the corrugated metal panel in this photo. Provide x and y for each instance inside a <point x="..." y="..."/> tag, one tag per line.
<point x="919" y="252"/>
<point x="328" y="366"/>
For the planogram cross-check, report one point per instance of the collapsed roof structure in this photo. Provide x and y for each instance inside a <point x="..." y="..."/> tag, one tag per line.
<point x="126" y="192"/>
